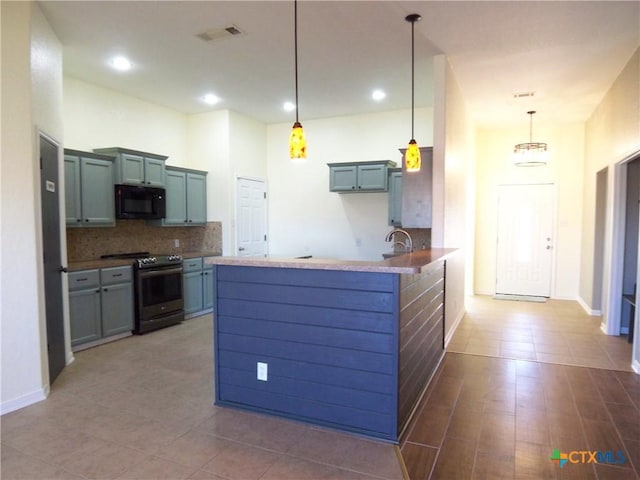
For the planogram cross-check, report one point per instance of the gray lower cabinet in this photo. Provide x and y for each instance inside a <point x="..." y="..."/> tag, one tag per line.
<point x="359" y="177"/>
<point x="198" y="282"/>
<point x="395" y="197"/>
<point x="208" y="283"/>
<point x="84" y="311"/>
<point x="116" y="300"/>
<point x="186" y="192"/>
<point x="100" y="303"/>
<point x="89" y="194"/>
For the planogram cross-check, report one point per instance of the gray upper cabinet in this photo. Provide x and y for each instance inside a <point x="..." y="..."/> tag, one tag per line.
<point x="395" y="197"/>
<point x="186" y="192"/>
<point x="136" y="168"/>
<point x="197" y="198"/>
<point x="89" y="197"/>
<point x="359" y="177"/>
<point x="417" y="192"/>
<point x="72" y="193"/>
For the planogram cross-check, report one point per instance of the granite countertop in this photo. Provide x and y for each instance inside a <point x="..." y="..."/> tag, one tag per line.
<point x="415" y="262"/>
<point x="121" y="262"/>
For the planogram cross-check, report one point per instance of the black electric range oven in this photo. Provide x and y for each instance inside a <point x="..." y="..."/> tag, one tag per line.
<point x="158" y="290"/>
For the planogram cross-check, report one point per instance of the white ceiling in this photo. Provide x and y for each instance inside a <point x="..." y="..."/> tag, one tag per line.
<point x="568" y="53"/>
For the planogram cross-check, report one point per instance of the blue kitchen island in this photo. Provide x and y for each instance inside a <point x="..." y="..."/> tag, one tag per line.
<point x="349" y="345"/>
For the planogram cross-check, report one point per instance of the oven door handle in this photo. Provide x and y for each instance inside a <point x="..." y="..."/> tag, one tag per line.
<point x="155" y="273"/>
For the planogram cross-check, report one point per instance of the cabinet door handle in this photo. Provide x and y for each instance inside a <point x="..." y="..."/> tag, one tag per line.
<point x="82" y="279"/>
<point x="117" y="275"/>
<point x="190" y="221"/>
<point x="78" y="220"/>
<point x="86" y="219"/>
<point x="98" y="291"/>
<point x="105" y="289"/>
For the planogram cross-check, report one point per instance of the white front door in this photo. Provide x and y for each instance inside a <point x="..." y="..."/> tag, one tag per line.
<point x="251" y="220"/>
<point x="525" y="239"/>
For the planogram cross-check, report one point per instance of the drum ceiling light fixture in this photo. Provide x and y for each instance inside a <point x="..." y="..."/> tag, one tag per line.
<point x="530" y="154"/>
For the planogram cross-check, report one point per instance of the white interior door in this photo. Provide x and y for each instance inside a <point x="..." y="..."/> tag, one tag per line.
<point x="525" y="240"/>
<point x="251" y="221"/>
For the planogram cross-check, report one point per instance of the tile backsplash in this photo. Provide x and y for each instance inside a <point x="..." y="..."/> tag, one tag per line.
<point x="137" y="236"/>
<point x="421" y="238"/>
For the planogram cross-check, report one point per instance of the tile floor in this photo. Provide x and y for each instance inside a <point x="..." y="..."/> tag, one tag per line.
<point x="142" y="408"/>
<point x="555" y="332"/>
<point x="497" y="418"/>
<point x="498" y="409"/>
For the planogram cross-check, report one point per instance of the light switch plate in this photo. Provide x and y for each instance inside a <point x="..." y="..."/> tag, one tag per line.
<point x="262" y="371"/>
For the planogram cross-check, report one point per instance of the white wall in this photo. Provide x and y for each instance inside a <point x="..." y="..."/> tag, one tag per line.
<point x="453" y="180"/>
<point x="611" y="135"/>
<point x="564" y="170"/>
<point x="31" y="97"/>
<point x="247" y="158"/>
<point x="304" y="217"/>
<point x="96" y="117"/>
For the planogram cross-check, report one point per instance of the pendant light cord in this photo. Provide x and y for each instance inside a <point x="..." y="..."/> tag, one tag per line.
<point x="412" y="76"/>
<point x="531" y="127"/>
<point x="295" y="42"/>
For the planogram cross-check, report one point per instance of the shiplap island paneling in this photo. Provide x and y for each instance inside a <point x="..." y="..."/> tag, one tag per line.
<point x="344" y="348"/>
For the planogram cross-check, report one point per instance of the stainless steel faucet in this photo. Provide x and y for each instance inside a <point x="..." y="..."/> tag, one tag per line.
<point x="408" y="246"/>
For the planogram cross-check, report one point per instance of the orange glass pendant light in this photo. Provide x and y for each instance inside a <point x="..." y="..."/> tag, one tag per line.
<point x="297" y="140"/>
<point x="412" y="155"/>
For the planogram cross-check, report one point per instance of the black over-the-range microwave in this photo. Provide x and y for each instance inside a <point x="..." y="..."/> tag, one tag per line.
<point x="133" y="201"/>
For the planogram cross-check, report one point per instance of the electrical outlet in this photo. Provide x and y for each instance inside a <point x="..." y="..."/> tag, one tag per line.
<point x="262" y="371"/>
<point x="176" y="243"/>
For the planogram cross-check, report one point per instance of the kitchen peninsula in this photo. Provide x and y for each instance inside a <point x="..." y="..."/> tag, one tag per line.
<point x="346" y="344"/>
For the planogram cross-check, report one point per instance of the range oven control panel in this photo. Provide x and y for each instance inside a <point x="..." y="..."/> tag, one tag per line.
<point x="158" y="261"/>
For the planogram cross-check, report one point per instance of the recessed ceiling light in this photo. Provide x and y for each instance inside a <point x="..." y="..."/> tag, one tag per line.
<point x="378" y="95"/>
<point x="210" y="99"/>
<point x="121" y="64"/>
<point x="289" y="107"/>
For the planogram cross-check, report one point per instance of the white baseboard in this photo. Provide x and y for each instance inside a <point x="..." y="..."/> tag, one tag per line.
<point x="23" y="401"/>
<point x="588" y="309"/>
<point x="635" y="366"/>
<point x="452" y="330"/>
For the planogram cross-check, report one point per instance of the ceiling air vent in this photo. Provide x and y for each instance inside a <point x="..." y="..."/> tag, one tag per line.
<point x="220" y="33"/>
<point x="523" y="94"/>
